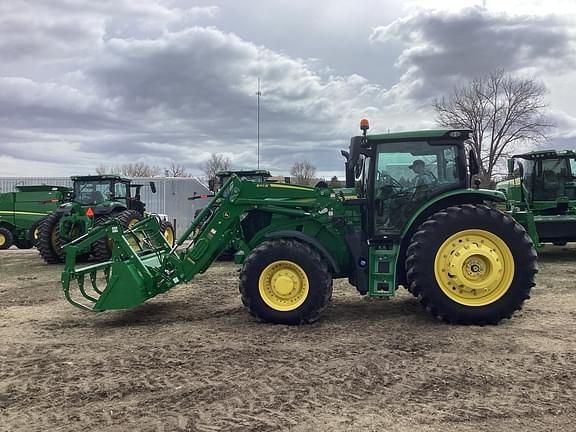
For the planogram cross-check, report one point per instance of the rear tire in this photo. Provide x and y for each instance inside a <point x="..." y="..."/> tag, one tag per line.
<point x="471" y="264"/>
<point x="285" y="282"/>
<point x="49" y="244"/>
<point x="6" y="238"/>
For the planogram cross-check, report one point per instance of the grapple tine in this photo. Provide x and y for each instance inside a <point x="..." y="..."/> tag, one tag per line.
<point x="83" y="291"/>
<point x="94" y="283"/>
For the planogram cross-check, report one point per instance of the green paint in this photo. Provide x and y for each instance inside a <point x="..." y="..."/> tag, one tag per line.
<point x="244" y="214"/>
<point x="20" y="210"/>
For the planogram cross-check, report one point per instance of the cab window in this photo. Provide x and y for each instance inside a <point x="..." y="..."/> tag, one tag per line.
<point x="407" y="174"/>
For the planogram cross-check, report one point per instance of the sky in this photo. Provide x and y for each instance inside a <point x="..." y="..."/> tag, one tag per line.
<point x="86" y="83"/>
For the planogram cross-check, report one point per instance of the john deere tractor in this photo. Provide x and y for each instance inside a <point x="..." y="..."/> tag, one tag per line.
<point x="544" y="183"/>
<point x="22" y="211"/>
<point x="408" y="216"/>
<point x="223" y="176"/>
<point x="94" y="201"/>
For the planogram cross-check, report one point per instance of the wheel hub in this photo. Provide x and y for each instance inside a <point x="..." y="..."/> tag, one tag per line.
<point x="283" y="285"/>
<point x="474" y="267"/>
<point x="2" y="239"/>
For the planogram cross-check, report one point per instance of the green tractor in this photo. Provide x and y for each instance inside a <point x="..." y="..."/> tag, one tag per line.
<point x="542" y="185"/>
<point x="22" y="211"/>
<point x="223" y="176"/>
<point x="94" y="201"/>
<point x="408" y="217"/>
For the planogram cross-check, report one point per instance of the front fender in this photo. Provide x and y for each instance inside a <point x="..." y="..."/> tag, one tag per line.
<point x="311" y="241"/>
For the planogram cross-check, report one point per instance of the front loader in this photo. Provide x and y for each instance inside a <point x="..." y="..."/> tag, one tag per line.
<point x="408" y="217"/>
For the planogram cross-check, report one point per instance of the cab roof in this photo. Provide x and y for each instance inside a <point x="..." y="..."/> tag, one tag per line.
<point x="421" y="134"/>
<point x="244" y="173"/>
<point x="100" y="177"/>
<point x="546" y="154"/>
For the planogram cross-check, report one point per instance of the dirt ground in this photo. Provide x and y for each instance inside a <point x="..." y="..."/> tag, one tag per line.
<point x="193" y="360"/>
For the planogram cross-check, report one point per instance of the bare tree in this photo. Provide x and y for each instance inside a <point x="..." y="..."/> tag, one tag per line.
<point x="502" y="110"/>
<point x="176" y="170"/>
<point x="103" y="169"/>
<point x="303" y="172"/>
<point x="137" y="169"/>
<point x="217" y="162"/>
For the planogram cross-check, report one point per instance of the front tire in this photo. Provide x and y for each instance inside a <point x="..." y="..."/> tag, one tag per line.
<point x="285" y="282"/>
<point x="471" y="264"/>
<point x="6" y="238"/>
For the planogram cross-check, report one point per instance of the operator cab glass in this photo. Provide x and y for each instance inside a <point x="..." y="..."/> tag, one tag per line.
<point x="121" y="190"/>
<point x="89" y="192"/>
<point x="406" y="175"/>
<point x="550" y="179"/>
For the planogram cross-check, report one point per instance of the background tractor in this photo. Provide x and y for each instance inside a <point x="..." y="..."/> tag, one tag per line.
<point x="94" y="201"/>
<point x="398" y="222"/>
<point x="222" y="177"/>
<point x="22" y="211"/>
<point x="543" y="185"/>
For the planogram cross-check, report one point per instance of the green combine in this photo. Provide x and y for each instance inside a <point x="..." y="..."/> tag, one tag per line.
<point x="542" y="186"/>
<point x="94" y="201"/>
<point x="408" y="216"/>
<point x="22" y="211"/>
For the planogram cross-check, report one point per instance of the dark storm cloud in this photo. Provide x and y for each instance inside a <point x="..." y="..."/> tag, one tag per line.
<point x="443" y="48"/>
<point x="117" y="81"/>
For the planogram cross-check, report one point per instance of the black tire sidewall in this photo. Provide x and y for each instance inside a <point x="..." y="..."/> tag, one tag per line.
<point x="299" y="254"/>
<point x="9" y="238"/>
<point x="486" y="219"/>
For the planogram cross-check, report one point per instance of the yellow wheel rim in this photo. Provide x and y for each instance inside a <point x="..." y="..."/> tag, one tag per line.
<point x="283" y="286"/>
<point x="474" y="267"/>
<point x="36" y="234"/>
<point x="169" y="235"/>
<point x="2" y="239"/>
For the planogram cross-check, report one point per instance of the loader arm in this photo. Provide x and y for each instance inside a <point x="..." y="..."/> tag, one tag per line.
<point x="143" y="264"/>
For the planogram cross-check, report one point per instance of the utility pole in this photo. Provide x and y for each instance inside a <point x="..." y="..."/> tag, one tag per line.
<point x="258" y="93"/>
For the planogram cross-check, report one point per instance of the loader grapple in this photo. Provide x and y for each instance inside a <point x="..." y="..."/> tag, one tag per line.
<point x="142" y="264"/>
<point x="134" y="273"/>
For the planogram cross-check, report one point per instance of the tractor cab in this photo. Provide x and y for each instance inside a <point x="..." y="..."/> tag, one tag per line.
<point x="223" y="176"/>
<point x="397" y="173"/>
<point x="94" y="190"/>
<point x="548" y="177"/>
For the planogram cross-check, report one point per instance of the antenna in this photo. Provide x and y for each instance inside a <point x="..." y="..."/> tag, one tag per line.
<point x="258" y="93"/>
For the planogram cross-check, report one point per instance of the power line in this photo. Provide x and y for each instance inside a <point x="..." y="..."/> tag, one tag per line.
<point x="258" y="93"/>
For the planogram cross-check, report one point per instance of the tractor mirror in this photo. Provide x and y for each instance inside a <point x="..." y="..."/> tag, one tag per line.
<point x="153" y="187"/>
<point x="510" y="163"/>
<point x="473" y="163"/>
<point x="212" y="184"/>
